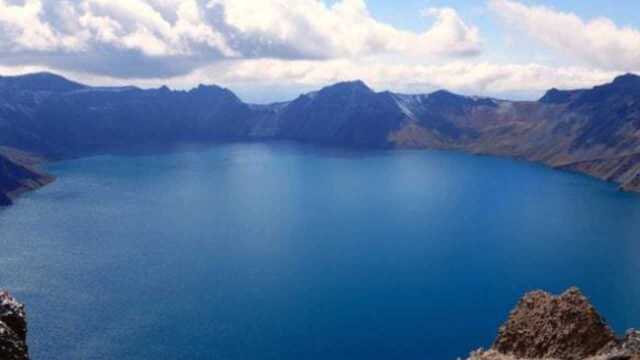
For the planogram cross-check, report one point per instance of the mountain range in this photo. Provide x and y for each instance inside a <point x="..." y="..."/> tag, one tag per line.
<point x="593" y="131"/>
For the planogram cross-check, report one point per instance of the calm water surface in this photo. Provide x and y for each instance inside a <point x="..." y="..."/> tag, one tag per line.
<point x="278" y="251"/>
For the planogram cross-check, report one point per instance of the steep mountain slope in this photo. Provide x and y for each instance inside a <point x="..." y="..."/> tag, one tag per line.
<point x="347" y="114"/>
<point x="20" y="97"/>
<point x="98" y="119"/>
<point x="594" y="131"/>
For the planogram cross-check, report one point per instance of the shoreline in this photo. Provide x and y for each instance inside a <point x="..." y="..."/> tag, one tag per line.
<point x="34" y="162"/>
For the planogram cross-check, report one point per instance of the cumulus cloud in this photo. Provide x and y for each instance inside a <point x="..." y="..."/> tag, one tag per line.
<point x="164" y="38"/>
<point x="311" y="29"/>
<point x="598" y="42"/>
<point x="24" y="30"/>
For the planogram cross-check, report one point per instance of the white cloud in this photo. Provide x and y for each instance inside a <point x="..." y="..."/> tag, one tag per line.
<point x="450" y="33"/>
<point x="598" y="42"/>
<point x="155" y="38"/>
<point x="23" y="29"/>
<point x="311" y="29"/>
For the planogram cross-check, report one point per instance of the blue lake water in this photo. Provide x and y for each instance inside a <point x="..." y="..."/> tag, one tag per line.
<point x="288" y="252"/>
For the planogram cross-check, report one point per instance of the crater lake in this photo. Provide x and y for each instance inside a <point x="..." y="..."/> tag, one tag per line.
<point x="282" y="251"/>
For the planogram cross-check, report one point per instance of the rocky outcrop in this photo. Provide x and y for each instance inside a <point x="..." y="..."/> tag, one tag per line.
<point x="13" y="329"/>
<point x="547" y="326"/>
<point x="18" y="176"/>
<point x="564" y="327"/>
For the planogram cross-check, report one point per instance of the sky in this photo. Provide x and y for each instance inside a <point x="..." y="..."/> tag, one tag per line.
<point x="271" y="50"/>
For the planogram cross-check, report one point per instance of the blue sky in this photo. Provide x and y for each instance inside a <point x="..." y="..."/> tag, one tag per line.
<point x="270" y="50"/>
<point x="624" y="12"/>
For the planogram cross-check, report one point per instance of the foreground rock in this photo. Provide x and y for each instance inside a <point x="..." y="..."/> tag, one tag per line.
<point x="565" y="327"/>
<point x="546" y="326"/>
<point x="13" y="329"/>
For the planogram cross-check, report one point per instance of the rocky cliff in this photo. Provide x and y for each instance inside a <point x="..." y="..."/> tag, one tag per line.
<point x="564" y="327"/>
<point x="13" y="329"/>
<point x="593" y="131"/>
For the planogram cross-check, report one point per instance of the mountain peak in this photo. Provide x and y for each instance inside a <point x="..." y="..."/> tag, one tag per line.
<point x="358" y="83"/>
<point x="215" y="91"/>
<point x="556" y="96"/>
<point x="41" y="81"/>
<point x="627" y="80"/>
<point x="446" y="97"/>
<point x="355" y="85"/>
<point x="443" y="93"/>
<point x="210" y="89"/>
<point x="42" y="75"/>
<point x="622" y="84"/>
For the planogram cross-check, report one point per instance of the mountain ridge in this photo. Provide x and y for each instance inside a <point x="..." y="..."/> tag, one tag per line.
<point x="593" y="131"/>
